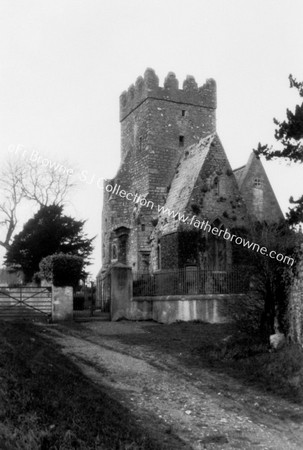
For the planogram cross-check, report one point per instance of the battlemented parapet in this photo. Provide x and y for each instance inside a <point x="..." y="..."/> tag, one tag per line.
<point x="148" y="87"/>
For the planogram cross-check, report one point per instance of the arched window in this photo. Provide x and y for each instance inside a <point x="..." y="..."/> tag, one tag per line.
<point x="216" y="186"/>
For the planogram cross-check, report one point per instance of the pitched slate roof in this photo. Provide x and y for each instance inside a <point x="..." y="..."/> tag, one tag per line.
<point x="184" y="181"/>
<point x="240" y="174"/>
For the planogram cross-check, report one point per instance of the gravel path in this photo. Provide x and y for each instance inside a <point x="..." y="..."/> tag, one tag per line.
<point x="206" y="410"/>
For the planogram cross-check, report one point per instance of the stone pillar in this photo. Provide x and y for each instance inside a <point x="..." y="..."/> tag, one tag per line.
<point x="62" y="303"/>
<point x="121" y="291"/>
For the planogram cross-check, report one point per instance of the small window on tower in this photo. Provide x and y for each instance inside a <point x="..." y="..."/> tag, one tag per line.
<point x="181" y="141"/>
<point x="140" y="144"/>
<point x="143" y="227"/>
<point x="183" y="112"/>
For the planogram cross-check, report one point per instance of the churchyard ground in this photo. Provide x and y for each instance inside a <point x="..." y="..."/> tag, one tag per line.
<point x="143" y="385"/>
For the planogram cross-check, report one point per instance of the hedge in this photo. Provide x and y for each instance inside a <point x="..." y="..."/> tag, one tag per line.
<point x="61" y="269"/>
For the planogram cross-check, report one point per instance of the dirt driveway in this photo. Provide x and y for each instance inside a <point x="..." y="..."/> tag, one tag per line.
<point x="203" y="408"/>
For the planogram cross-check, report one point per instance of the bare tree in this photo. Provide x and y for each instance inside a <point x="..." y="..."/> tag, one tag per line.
<point x="47" y="185"/>
<point x="22" y="179"/>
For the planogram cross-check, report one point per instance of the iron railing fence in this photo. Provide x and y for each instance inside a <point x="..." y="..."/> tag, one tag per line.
<point x="191" y="281"/>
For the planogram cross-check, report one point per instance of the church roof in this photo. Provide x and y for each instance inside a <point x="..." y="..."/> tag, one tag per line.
<point x="242" y="172"/>
<point x="184" y="181"/>
<point x="244" y="176"/>
<point x="239" y="174"/>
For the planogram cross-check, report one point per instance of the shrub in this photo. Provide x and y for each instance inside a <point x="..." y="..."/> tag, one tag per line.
<point x="246" y="313"/>
<point x="37" y="278"/>
<point x="61" y="269"/>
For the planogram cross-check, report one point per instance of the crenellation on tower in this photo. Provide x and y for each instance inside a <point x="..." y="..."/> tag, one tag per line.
<point x="131" y="91"/>
<point x="151" y="80"/>
<point x="139" y="84"/>
<point x="171" y="83"/>
<point x="148" y="87"/>
<point x="190" y="84"/>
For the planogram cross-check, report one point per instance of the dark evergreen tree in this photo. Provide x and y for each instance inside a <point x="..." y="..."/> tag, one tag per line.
<point x="270" y="278"/>
<point x="48" y="232"/>
<point x="290" y="134"/>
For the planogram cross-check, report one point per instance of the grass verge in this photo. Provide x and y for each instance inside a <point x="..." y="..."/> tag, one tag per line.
<point x="248" y="358"/>
<point x="46" y="403"/>
<point x="221" y="348"/>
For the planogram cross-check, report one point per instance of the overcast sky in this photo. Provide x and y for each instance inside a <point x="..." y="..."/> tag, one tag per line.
<point x="64" y="63"/>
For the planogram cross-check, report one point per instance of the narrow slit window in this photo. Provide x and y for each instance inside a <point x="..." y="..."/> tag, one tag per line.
<point x="181" y="141"/>
<point x="143" y="227"/>
<point x="216" y="186"/>
<point x="140" y="144"/>
<point x="183" y="112"/>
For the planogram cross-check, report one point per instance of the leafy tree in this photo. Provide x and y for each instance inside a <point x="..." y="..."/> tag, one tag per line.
<point x="290" y="134"/>
<point x="48" y="232"/>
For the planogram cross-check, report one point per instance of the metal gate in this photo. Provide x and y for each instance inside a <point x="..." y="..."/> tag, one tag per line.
<point x="25" y="302"/>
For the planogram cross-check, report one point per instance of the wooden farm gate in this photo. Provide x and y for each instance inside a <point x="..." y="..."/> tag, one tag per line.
<point x="25" y="302"/>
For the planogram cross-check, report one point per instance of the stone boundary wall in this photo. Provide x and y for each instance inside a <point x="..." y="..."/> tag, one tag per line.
<point x="172" y="308"/>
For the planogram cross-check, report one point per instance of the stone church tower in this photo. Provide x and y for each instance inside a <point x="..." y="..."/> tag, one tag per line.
<point x="170" y="155"/>
<point x="157" y="123"/>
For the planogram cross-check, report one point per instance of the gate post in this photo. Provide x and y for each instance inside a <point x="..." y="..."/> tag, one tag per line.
<point x="121" y="291"/>
<point x="62" y="303"/>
